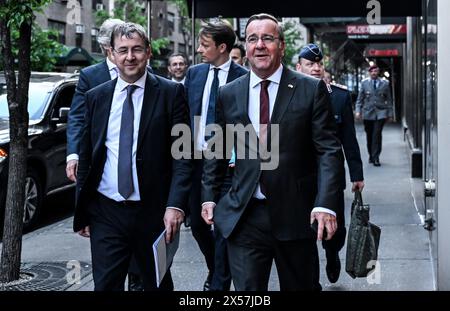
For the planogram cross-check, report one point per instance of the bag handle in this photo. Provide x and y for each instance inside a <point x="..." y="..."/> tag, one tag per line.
<point x="358" y="197"/>
<point x="357" y="201"/>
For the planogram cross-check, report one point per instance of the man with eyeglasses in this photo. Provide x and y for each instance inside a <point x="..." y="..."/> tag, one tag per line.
<point x="91" y="77"/>
<point x="310" y="62"/>
<point x="266" y="215"/>
<point x="129" y="186"/>
<point x="216" y="40"/>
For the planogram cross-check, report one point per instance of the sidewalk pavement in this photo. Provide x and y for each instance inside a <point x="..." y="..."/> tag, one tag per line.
<point x="404" y="253"/>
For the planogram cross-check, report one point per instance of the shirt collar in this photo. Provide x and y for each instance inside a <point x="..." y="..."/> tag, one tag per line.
<point x="122" y="85"/>
<point x="275" y="77"/>
<point x="225" y="66"/>
<point x="111" y="65"/>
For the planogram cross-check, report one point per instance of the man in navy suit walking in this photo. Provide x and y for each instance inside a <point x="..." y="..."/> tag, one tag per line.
<point x="310" y="63"/>
<point x="202" y="82"/>
<point x="91" y="77"/>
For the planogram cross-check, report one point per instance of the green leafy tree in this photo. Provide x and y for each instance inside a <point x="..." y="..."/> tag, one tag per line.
<point x="16" y="14"/>
<point x="131" y="11"/>
<point x="292" y="36"/>
<point x="45" y="50"/>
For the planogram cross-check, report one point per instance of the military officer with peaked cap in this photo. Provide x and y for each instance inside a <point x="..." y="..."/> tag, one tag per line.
<point x="310" y="63"/>
<point x="374" y="106"/>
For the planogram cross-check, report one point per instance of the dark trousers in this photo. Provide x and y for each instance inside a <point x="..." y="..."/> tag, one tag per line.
<point x="202" y="232"/>
<point x="373" y="130"/>
<point x="114" y="240"/>
<point x="212" y="244"/>
<point x="338" y="240"/>
<point x="252" y="249"/>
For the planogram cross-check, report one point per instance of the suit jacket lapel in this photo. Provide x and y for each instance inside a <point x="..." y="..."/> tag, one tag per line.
<point x="284" y="96"/>
<point x="198" y="99"/>
<point x="103" y="108"/>
<point x="232" y="74"/>
<point x="242" y="92"/>
<point x="151" y="94"/>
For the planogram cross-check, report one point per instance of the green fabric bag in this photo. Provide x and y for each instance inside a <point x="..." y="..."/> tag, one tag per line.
<point x="362" y="241"/>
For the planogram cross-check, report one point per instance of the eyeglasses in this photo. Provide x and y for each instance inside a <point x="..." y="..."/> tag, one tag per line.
<point x="137" y="50"/>
<point x="267" y="39"/>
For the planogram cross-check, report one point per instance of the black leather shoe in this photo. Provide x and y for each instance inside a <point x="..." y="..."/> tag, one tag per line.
<point x="370" y="160"/>
<point x="207" y="284"/>
<point x="376" y="163"/>
<point x="333" y="267"/>
<point x="135" y="283"/>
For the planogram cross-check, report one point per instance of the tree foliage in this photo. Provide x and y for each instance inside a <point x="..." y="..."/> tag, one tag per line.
<point x="292" y="36"/>
<point x="45" y="50"/>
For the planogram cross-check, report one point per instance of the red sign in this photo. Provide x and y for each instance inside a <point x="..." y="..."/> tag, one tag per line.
<point x="386" y="53"/>
<point x="376" y="29"/>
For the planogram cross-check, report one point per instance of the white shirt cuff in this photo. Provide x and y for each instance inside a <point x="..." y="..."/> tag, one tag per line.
<point x="72" y="156"/>
<point x="323" y="210"/>
<point x="178" y="209"/>
<point x="209" y="203"/>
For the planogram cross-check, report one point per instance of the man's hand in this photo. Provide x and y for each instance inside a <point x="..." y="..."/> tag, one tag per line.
<point x="326" y="221"/>
<point x="358" y="116"/>
<point x="208" y="213"/>
<point x="172" y="220"/>
<point x="358" y="185"/>
<point x="85" y="232"/>
<point x="72" y="169"/>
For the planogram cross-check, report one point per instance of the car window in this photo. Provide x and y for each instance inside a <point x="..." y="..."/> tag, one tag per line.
<point x="38" y="96"/>
<point x="63" y="99"/>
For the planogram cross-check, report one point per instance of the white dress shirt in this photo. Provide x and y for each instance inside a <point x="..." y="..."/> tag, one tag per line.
<point x="223" y="76"/>
<point x="182" y="81"/>
<point x="109" y="183"/>
<point x="113" y="70"/>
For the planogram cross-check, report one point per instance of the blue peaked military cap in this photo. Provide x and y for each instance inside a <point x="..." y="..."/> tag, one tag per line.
<point x="311" y="52"/>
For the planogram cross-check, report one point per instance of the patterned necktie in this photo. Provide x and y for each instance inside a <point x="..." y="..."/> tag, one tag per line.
<point x="125" y="174"/>
<point x="211" y="114"/>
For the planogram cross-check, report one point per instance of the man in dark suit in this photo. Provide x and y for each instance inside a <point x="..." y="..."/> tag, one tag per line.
<point x="216" y="40"/>
<point x="374" y="106"/>
<point x="310" y="63"/>
<point x="266" y="215"/>
<point x="89" y="78"/>
<point x="129" y="187"/>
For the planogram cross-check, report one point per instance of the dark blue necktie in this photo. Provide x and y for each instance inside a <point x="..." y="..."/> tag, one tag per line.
<point x="374" y="84"/>
<point x="125" y="175"/>
<point x="211" y="114"/>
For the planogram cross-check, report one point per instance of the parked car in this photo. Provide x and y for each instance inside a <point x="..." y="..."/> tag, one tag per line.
<point x="50" y="96"/>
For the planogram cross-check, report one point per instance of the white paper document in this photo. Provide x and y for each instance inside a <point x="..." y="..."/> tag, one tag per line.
<point x="164" y="254"/>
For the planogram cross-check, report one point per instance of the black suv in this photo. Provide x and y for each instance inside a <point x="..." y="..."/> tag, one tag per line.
<point x="50" y="96"/>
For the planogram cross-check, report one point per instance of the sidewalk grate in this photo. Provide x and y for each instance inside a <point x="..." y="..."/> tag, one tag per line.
<point x="49" y="276"/>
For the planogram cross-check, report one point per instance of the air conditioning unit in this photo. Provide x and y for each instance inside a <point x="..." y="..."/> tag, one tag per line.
<point x="79" y="28"/>
<point x="99" y="6"/>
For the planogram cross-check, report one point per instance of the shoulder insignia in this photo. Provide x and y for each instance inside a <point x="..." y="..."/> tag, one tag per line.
<point x="329" y="88"/>
<point x="339" y="86"/>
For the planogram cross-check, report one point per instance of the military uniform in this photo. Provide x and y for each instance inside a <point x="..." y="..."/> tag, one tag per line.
<point x="374" y="103"/>
<point x="341" y="106"/>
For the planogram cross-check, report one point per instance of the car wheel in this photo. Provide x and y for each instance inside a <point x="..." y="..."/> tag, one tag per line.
<point x="33" y="200"/>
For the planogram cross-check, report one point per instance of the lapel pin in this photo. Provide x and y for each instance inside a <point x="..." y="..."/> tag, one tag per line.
<point x="290" y="86"/>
